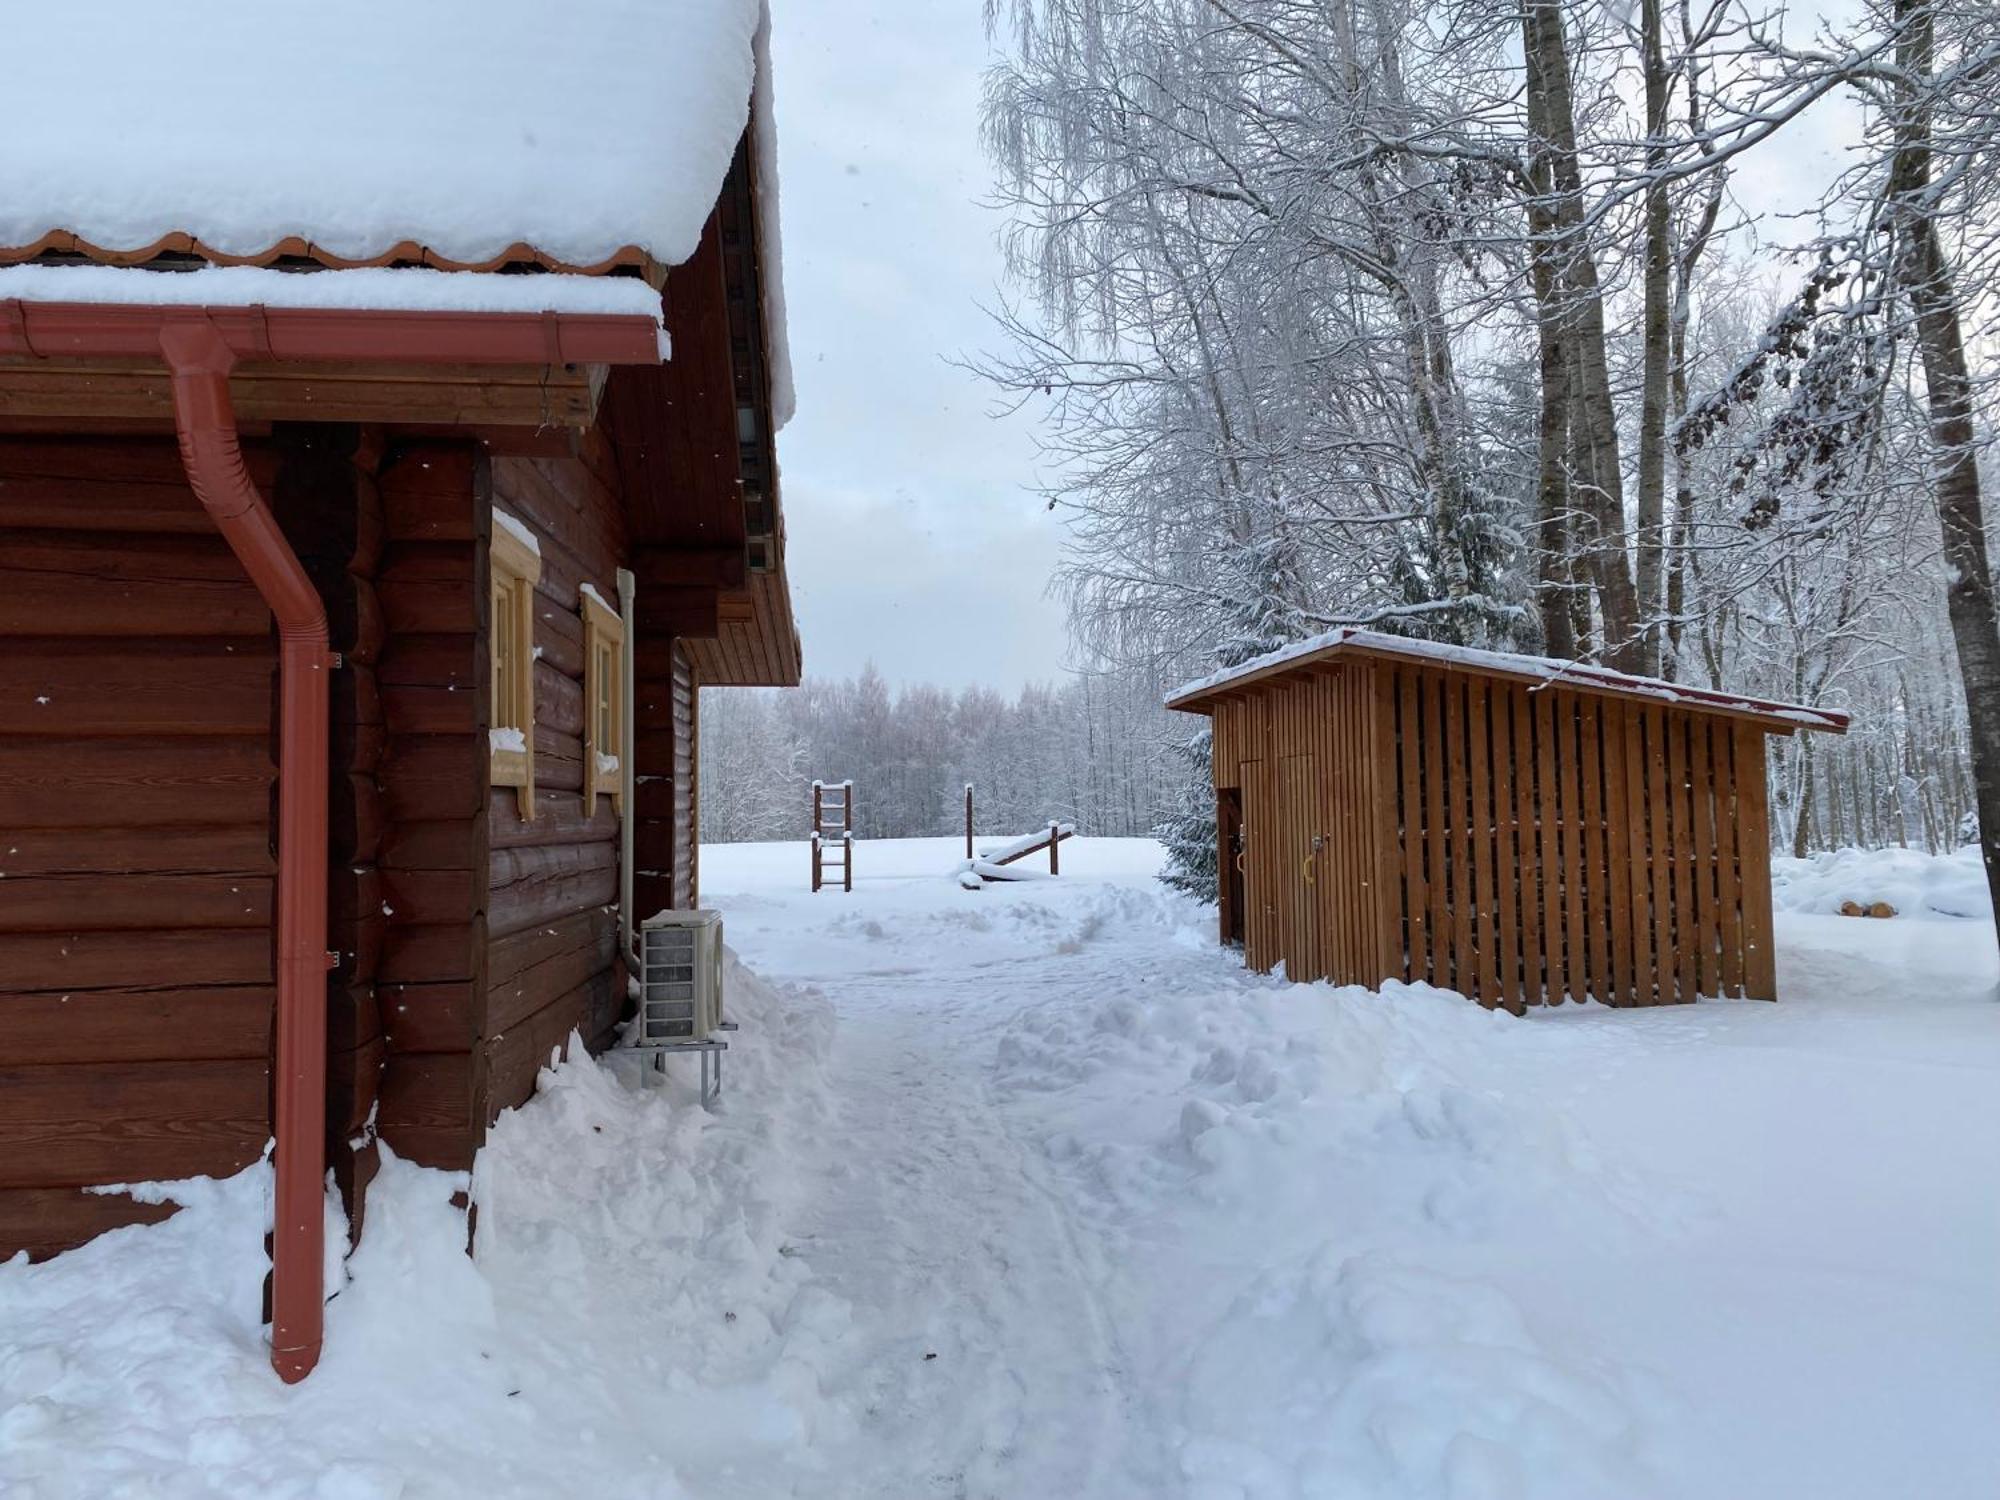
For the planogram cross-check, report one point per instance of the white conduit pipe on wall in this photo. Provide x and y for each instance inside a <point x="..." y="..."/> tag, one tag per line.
<point x="628" y="780"/>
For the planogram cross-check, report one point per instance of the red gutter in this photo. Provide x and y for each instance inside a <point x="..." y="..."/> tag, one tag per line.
<point x="87" y="330"/>
<point x="201" y="346"/>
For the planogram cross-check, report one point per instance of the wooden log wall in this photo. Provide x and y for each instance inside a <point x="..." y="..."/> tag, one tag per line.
<point x="326" y="498"/>
<point x="435" y="683"/>
<point x="136" y="777"/>
<point x="1522" y="847"/>
<point x="667" y="834"/>
<point x="552" y="882"/>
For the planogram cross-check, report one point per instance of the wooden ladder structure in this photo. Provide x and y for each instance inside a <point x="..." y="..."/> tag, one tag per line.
<point x="833" y="827"/>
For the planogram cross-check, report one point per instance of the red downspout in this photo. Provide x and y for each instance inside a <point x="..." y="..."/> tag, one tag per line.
<point x="200" y="360"/>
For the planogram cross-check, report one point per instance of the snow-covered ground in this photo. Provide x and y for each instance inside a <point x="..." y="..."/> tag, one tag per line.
<point x="1032" y="1191"/>
<point x="1915" y="884"/>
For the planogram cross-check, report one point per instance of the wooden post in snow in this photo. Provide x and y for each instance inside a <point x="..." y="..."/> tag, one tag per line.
<point x="847" y="835"/>
<point x="1055" y="842"/>
<point x="968" y="820"/>
<point x="817" y="812"/>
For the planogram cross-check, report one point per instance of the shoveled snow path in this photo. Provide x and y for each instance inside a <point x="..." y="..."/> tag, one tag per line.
<point x="985" y="1363"/>
<point x="1175" y="1230"/>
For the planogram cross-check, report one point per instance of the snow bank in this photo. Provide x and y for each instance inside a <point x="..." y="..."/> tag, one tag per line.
<point x="1387" y="1245"/>
<point x="1371" y="1338"/>
<point x="1925" y="886"/>
<point x="465" y="126"/>
<point x="633" y="1324"/>
<point x="364" y="289"/>
<point x="770" y="239"/>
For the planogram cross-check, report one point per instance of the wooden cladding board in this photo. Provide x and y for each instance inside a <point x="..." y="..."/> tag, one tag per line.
<point x="1519" y="845"/>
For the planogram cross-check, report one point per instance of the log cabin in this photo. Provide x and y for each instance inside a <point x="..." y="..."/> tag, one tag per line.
<point x="367" y="531"/>
<point x="1517" y="829"/>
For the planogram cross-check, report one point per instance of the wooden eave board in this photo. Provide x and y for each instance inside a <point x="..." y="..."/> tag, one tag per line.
<point x="757" y="646"/>
<point x="673" y="426"/>
<point x="682" y="461"/>
<point x="743" y="268"/>
<point x="506" y="396"/>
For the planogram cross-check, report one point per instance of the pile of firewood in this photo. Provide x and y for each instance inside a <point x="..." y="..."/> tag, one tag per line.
<point x="1873" y="909"/>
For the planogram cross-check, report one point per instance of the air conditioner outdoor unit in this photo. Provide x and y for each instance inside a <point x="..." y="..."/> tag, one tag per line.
<point x="680" y="978"/>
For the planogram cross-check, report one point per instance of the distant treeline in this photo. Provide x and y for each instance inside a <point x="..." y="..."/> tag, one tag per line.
<point x="1091" y="751"/>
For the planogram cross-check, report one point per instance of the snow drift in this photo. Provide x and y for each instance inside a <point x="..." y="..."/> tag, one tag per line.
<point x="631" y="1313"/>
<point x="1926" y="886"/>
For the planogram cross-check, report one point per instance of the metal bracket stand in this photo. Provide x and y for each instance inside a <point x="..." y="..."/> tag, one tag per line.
<point x="710" y="1051"/>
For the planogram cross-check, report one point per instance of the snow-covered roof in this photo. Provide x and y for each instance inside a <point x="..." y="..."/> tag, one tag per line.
<point x="770" y="245"/>
<point x="1198" y="695"/>
<point x="462" y="132"/>
<point x="366" y="288"/>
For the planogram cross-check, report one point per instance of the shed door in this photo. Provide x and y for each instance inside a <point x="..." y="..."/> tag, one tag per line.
<point x="1230" y="861"/>
<point x="1261" y="926"/>
<point x="1302" y="867"/>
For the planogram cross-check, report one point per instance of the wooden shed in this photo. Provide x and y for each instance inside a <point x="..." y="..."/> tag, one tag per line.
<point x="1517" y="829"/>
<point x="353" y="609"/>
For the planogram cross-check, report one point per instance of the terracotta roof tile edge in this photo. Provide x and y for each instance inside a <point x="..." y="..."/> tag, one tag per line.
<point x="62" y="242"/>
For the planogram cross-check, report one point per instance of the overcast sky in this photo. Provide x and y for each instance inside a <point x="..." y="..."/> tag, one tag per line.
<point x="914" y="538"/>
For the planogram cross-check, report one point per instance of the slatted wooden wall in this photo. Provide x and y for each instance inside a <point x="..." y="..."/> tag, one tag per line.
<point x="1521" y="846"/>
<point x="1301" y="755"/>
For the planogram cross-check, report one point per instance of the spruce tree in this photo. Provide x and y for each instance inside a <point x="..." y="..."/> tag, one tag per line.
<point x="1267" y="618"/>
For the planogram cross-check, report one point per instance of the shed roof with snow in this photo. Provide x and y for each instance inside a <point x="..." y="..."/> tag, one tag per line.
<point x="1200" y="695"/>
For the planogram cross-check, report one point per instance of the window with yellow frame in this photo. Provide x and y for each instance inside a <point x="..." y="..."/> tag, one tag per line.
<point x="603" y="701"/>
<point x="515" y="566"/>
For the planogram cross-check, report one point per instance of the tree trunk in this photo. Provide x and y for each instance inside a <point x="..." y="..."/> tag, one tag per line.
<point x="1656" y="364"/>
<point x="1555" y="571"/>
<point x="1927" y="281"/>
<point x="1802" y="817"/>
<point x="1552" y="566"/>
<point x="1577" y="305"/>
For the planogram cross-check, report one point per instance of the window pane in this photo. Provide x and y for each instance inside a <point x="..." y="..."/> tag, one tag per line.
<point x="608" y="678"/>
